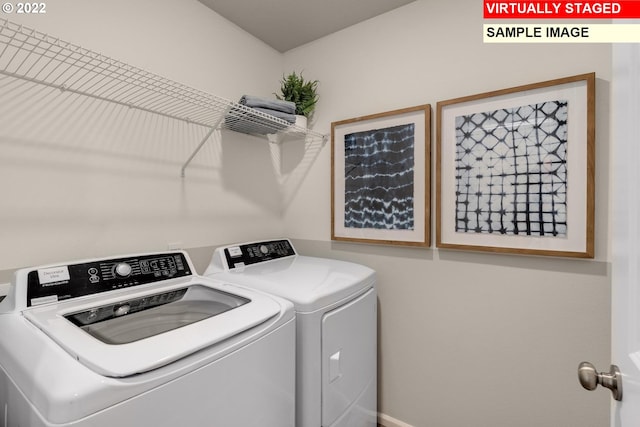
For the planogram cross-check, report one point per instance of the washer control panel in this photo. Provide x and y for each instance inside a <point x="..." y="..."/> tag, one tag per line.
<point x="252" y="253"/>
<point x="59" y="283"/>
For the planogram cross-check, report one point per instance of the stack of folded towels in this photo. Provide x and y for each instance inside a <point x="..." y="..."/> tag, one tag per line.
<point x="241" y="121"/>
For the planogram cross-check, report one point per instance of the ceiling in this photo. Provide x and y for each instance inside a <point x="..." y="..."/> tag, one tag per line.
<point x="286" y="24"/>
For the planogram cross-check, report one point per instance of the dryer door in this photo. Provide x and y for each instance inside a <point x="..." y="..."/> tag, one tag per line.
<point x="349" y="363"/>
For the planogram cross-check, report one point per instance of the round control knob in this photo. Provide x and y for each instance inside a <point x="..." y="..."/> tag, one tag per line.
<point x="264" y="249"/>
<point x="122" y="269"/>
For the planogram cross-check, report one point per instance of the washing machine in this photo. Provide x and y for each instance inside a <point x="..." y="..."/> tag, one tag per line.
<point x="336" y="321"/>
<point x="141" y="340"/>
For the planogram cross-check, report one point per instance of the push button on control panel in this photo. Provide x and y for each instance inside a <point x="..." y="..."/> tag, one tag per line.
<point x="121" y="310"/>
<point x="122" y="269"/>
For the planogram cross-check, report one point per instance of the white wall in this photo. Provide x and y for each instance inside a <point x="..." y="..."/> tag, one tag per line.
<point x="81" y="178"/>
<point x="466" y="339"/>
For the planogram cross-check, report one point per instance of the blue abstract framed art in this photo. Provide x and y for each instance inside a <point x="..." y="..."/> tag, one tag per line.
<point x="515" y="169"/>
<point x="380" y="182"/>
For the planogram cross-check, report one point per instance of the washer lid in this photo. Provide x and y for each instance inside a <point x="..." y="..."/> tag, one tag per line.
<point x="310" y="283"/>
<point x="123" y="336"/>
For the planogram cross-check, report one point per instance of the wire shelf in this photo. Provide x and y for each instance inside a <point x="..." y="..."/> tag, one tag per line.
<point x="42" y="59"/>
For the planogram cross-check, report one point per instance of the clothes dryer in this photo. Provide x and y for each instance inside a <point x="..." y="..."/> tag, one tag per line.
<point x="141" y="340"/>
<point x="336" y="322"/>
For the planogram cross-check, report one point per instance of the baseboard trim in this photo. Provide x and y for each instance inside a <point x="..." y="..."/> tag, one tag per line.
<point x="386" y="421"/>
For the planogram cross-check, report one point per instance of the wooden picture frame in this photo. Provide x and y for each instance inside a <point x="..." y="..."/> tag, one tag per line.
<point x="380" y="178"/>
<point x="515" y="169"/>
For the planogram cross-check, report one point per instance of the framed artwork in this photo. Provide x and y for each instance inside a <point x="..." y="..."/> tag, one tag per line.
<point x="380" y="178"/>
<point x="515" y="169"/>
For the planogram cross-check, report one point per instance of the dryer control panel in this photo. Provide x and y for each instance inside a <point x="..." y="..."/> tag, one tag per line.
<point x="62" y="282"/>
<point x="252" y="253"/>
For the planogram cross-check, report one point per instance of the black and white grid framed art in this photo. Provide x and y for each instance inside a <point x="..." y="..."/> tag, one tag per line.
<point x="515" y="169"/>
<point x="380" y="178"/>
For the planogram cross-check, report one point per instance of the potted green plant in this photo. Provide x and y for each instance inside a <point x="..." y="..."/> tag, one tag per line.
<point x="302" y="93"/>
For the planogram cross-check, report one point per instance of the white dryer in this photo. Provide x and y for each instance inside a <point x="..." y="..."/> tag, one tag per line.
<point x="336" y="321"/>
<point x="141" y="340"/>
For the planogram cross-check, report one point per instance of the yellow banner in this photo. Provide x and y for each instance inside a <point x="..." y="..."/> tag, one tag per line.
<point x="561" y="33"/>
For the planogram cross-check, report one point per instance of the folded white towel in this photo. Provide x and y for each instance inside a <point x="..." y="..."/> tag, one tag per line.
<point x="270" y="104"/>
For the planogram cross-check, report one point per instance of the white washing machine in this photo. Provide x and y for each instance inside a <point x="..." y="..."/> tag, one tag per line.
<point x="335" y="303"/>
<point x="142" y="341"/>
